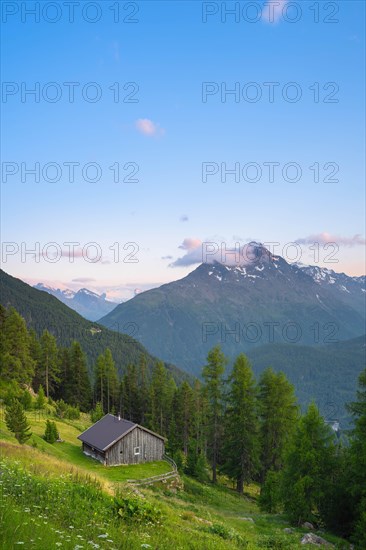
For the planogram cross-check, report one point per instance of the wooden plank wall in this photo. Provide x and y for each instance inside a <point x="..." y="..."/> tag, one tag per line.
<point x="151" y="448"/>
<point x="94" y="453"/>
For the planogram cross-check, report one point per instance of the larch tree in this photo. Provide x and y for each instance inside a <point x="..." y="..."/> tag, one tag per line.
<point x="278" y="411"/>
<point x="241" y="442"/>
<point x="308" y="467"/>
<point x="213" y="376"/>
<point x="48" y="366"/>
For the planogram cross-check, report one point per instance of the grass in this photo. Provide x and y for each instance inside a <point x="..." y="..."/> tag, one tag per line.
<point x="55" y="497"/>
<point x="69" y="449"/>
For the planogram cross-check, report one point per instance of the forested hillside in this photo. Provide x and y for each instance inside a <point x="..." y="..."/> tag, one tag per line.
<point x="42" y="311"/>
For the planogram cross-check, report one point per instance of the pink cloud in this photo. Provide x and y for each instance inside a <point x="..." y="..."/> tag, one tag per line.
<point x="148" y="128"/>
<point x="190" y="243"/>
<point x="325" y="238"/>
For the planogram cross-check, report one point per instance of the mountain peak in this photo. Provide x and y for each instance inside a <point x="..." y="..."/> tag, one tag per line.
<point x="87" y="303"/>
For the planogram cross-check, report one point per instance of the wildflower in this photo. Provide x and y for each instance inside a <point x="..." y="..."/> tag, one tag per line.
<point x="103" y="536"/>
<point x="58" y="543"/>
<point x="20" y="542"/>
<point x="145" y="545"/>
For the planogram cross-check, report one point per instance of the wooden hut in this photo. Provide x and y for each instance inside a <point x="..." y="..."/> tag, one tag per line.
<point x="113" y="441"/>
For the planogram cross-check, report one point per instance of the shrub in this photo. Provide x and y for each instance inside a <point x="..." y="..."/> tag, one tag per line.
<point x="61" y="408"/>
<point x="227" y="534"/>
<point x="196" y="465"/>
<point x="136" y="510"/>
<point x="72" y="413"/>
<point x="274" y="542"/>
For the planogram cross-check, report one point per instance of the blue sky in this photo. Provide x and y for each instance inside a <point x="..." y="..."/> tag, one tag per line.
<point x="169" y="132"/>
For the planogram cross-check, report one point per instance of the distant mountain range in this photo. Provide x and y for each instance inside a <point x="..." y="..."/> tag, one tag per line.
<point x="90" y="305"/>
<point x="243" y="307"/>
<point x="43" y="311"/>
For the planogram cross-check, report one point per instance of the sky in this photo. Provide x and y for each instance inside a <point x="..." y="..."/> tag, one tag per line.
<point x="164" y="133"/>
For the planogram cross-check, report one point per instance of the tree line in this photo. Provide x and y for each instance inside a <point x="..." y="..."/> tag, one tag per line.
<point x="226" y="426"/>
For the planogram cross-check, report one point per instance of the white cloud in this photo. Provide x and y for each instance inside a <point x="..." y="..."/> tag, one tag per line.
<point x="273" y="10"/>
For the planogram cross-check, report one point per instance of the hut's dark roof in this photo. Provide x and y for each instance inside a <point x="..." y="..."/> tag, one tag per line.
<point x="106" y="431"/>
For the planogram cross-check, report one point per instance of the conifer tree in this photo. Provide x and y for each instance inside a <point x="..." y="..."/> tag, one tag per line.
<point x="143" y="390"/>
<point x="79" y="390"/>
<point x="26" y="400"/>
<point x="16" y="362"/>
<point x="308" y="468"/>
<point x="40" y="399"/>
<point x="50" y="434"/>
<point x="16" y="421"/>
<point x="48" y="367"/>
<point x="241" y="443"/>
<point x="278" y="415"/>
<point x="97" y="413"/>
<point x="100" y="382"/>
<point x="357" y="462"/>
<point x="212" y="374"/>
<point x="130" y="396"/>
<point x="161" y="394"/>
<point x="112" y="381"/>
<point x="182" y="413"/>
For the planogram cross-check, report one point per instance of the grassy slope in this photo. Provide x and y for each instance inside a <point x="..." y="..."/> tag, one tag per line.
<point x="188" y="515"/>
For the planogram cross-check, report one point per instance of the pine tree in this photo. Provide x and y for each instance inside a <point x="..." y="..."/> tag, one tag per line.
<point x="2" y="332"/>
<point x="35" y="353"/>
<point x="212" y="374"/>
<point x="97" y="413"/>
<point x="48" y="434"/>
<point x="48" y="367"/>
<point x="357" y="452"/>
<point x="278" y="415"/>
<point x="51" y="434"/>
<point x="241" y="443"/>
<point x="161" y="395"/>
<point x="79" y="390"/>
<point x="308" y="468"/>
<point x="16" y="421"/>
<point x="26" y="400"/>
<point x="40" y="399"/>
<point x="106" y="383"/>
<point x="16" y="362"/>
<point x="143" y="390"/>
<point x="100" y="382"/>
<point x="182" y="416"/>
<point x="200" y="418"/>
<point x="112" y="381"/>
<point x="131" y="397"/>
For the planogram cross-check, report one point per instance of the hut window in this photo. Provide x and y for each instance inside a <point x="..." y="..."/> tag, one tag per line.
<point x="136" y="451"/>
